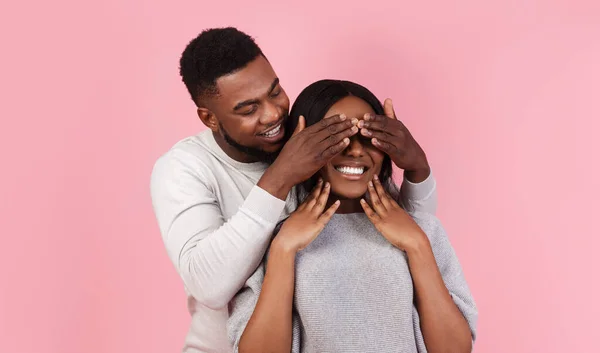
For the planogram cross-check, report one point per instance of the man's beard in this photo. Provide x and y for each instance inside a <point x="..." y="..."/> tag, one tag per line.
<point x="257" y="153"/>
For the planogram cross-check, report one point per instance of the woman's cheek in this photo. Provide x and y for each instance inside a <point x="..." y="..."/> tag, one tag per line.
<point x="324" y="174"/>
<point x="377" y="158"/>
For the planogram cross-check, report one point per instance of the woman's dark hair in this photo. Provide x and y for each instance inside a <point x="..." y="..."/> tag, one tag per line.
<point x="314" y="102"/>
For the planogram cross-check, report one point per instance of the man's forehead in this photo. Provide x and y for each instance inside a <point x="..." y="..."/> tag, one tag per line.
<point x="252" y="81"/>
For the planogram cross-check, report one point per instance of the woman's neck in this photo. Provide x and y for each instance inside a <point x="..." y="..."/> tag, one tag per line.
<point x="346" y="205"/>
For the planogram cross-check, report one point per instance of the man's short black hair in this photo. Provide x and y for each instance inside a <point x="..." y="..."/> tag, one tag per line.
<point x="214" y="53"/>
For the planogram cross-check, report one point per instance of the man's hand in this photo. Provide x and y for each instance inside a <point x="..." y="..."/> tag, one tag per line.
<point x="391" y="136"/>
<point x="307" y="151"/>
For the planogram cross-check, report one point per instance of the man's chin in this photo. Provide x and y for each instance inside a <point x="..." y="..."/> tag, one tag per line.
<point x="273" y="148"/>
<point x="260" y="155"/>
<point x="255" y="153"/>
<point x="266" y="153"/>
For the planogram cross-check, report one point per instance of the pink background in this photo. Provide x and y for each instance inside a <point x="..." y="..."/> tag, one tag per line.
<point x="503" y="95"/>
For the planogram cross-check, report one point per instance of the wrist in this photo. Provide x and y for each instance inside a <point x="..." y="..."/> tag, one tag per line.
<point x="418" y="174"/>
<point x="282" y="247"/>
<point x="282" y="260"/>
<point x="418" y="246"/>
<point x="275" y="182"/>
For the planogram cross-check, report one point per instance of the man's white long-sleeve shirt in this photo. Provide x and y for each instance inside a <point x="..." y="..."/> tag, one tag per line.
<point x="216" y="225"/>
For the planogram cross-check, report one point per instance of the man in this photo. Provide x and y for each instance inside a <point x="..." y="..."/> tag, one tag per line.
<point x="218" y="195"/>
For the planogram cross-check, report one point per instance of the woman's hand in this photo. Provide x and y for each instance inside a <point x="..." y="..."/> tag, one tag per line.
<point x="303" y="226"/>
<point x="397" y="226"/>
<point x="270" y="326"/>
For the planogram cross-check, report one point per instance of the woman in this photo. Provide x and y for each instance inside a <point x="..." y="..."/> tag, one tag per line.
<point x="376" y="279"/>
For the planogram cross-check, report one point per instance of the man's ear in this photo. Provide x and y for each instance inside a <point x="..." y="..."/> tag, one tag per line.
<point x="209" y="119"/>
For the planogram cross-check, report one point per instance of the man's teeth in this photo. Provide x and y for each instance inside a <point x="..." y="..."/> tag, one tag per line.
<point x="351" y="170"/>
<point x="273" y="132"/>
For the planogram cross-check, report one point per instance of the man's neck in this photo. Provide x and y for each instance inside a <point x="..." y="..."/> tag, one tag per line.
<point x="233" y="152"/>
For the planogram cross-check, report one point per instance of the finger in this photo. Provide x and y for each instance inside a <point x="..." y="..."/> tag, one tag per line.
<point x="334" y="133"/>
<point x="394" y="203"/>
<point x="321" y="200"/>
<point x="333" y="140"/>
<point x="301" y="125"/>
<point x="376" y="201"/>
<point x="384" y="146"/>
<point x="325" y="123"/>
<point x="316" y="191"/>
<point x="373" y="217"/>
<point x="388" y="109"/>
<point x="383" y="195"/>
<point x="382" y="136"/>
<point x="334" y="150"/>
<point x="326" y="216"/>
<point x="382" y="123"/>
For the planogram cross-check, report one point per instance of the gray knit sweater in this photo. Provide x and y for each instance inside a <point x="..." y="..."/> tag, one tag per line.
<point x="354" y="291"/>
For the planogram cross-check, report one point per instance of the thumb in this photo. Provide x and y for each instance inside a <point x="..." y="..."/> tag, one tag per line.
<point x="388" y="109"/>
<point x="300" y="126"/>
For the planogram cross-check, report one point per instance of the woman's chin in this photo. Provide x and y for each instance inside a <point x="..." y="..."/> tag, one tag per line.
<point x="354" y="194"/>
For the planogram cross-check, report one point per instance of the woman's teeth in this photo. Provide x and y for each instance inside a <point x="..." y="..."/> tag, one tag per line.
<point x="273" y="132"/>
<point x="351" y="170"/>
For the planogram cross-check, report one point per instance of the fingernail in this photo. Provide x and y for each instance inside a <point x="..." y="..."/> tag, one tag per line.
<point x="346" y="140"/>
<point x="375" y="177"/>
<point x="361" y="123"/>
<point x="366" y="132"/>
<point x="354" y="121"/>
<point x="354" y="129"/>
<point x="337" y="202"/>
<point x="375" y="141"/>
<point x="343" y="117"/>
<point x="367" y="116"/>
<point x="320" y="181"/>
<point x="326" y="184"/>
<point x="362" y="201"/>
<point x="370" y="183"/>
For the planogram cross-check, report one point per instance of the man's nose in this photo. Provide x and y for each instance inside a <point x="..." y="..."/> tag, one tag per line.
<point x="271" y="115"/>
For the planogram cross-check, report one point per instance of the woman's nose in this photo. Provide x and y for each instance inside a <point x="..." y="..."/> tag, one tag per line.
<point x="355" y="148"/>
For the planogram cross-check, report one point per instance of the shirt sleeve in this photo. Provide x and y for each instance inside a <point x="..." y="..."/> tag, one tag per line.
<point x="214" y="257"/>
<point x="419" y="197"/>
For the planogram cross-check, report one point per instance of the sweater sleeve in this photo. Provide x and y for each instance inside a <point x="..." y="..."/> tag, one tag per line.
<point x="451" y="271"/>
<point x="214" y="257"/>
<point x="241" y="308"/>
<point x="419" y="197"/>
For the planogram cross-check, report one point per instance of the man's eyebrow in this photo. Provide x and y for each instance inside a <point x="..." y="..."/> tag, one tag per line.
<point x="274" y="84"/>
<point x="240" y="105"/>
